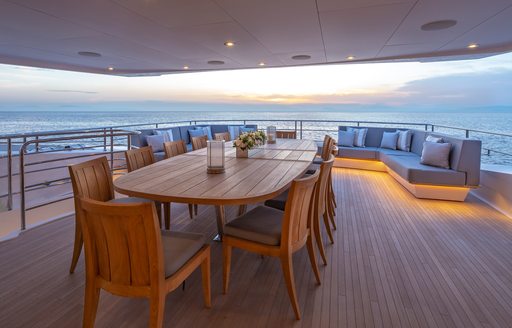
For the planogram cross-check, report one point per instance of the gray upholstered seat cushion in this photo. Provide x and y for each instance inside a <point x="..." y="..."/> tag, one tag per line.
<point x="261" y="224"/>
<point x="279" y="202"/>
<point x="179" y="247"/>
<point x="412" y="170"/>
<point x="159" y="156"/>
<point x="383" y="153"/>
<point x="358" y="153"/>
<point x="126" y="200"/>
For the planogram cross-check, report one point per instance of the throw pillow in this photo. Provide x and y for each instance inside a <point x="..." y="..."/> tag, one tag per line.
<point x="359" y="137"/>
<point x="234" y="131"/>
<point x="436" y="154"/>
<point x="207" y="131"/>
<point x="389" y="140"/>
<point x="431" y="138"/>
<point x="346" y="138"/>
<point x="404" y="140"/>
<point x="167" y="134"/>
<point x="156" y="142"/>
<point x="243" y="129"/>
<point x="197" y="133"/>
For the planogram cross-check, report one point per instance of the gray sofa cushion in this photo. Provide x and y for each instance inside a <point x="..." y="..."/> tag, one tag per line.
<point x="436" y="154"/>
<point x="418" y="137"/>
<point x="404" y="140"/>
<point x="346" y="138"/>
<point x="156" y="142"/>
<point x="184" y="132"/>
<point x="179" y="247"/>
<point x="139" y="140"/>
<point x="159" y="156"/>
<point x="410" y="168"/>
<point x="261" y="224"/>
<point x="358" y="153"/>
<point x="382" y="153"/>
<point x="389" y="140"/>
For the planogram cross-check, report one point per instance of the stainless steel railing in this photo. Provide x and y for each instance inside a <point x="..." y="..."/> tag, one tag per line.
<point x="107" y="139"/>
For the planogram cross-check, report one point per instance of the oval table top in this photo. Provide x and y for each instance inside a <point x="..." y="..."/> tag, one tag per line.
<point x="267" y="172"/>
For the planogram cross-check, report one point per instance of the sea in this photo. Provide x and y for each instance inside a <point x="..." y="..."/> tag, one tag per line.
<point x="495" y="122"/>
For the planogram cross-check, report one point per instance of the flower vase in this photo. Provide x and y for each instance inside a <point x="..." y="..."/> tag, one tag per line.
<point x="242" y="153"/>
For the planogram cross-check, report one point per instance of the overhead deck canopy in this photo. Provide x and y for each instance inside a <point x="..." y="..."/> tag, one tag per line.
<point x="147" y="37"/>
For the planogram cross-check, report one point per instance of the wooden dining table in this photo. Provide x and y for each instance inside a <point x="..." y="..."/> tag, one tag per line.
<point x="267" y="172"/>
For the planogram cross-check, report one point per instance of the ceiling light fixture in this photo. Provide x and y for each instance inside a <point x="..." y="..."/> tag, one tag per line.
<point x="229" y="44"/>
<point x="89" y="54"/>
<point x="301" y="57"/>
<point x="261" y="64"/>
<point x="439" y="25"/>
<point x="473" y="46"/>
<point x="110" y="68"/>
<point x="351" y="58"/>
<point x="215" y="62"/>
<point x="185" y="67"/>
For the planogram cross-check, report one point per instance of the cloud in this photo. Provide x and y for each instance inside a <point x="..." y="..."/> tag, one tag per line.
<point x="72" y="91"/>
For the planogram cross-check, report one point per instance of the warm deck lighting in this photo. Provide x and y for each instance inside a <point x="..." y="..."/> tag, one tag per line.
<point x="472" y="46"/>
<point x="229" y="44"/>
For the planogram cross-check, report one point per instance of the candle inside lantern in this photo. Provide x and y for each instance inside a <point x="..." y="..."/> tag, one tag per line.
<point x="215" y="152"/>
<point x="271" y="134"/>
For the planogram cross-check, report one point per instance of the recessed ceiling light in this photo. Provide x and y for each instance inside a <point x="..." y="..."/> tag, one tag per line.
<point x="261" y="64"/>
<point x="472" y="45"/>
<point x="229" y="44"/>
<point x="351" y="58"/>
<point x="110" y="68"/>
<point x="301" y="57"/>
<point x="439" y="25"/>
<point x="89" y="54"/>
<point x="185" y="67"/>
<point x="215" y="62"/>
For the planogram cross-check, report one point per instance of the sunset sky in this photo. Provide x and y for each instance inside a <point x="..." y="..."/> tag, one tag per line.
<point x="483" y="82"/>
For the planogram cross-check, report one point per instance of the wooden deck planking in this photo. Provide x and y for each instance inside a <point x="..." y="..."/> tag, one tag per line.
<point x="397" y="261"/>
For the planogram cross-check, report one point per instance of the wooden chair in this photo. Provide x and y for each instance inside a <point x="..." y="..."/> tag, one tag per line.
<point x="175" y="148"/>
<point x="138" y="158"/>
<point x="271" y="232"/>
<point x="90" y="179"/>
<point x="320" y="203"/>
<point x="286" y="134"/>
<point x="222" y="136"/>
<point x="127" y="255"/>
<point x="199" y="142"/>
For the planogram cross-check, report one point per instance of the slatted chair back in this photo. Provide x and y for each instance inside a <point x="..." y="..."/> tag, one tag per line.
<point x="138" y="158"/>
<point x="199" y="142"/>
<point x="92" y="179"/>
<point x="223" y="136"/>
<point x="323" y="185"/>
<point x="327" y="147"/>
<point x="174" y="148"/>
<point x="286" y="134"/>
<point x="297" y="218"/>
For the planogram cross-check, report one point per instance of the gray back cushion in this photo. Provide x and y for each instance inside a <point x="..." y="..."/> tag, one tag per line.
<point x="139" y="140"/>
<point x="418" y="137"/>
<point x="373" y="136"/>
<point x="184" y="132"/>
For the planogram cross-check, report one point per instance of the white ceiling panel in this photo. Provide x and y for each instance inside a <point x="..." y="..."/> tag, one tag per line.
<point x="360" y="32"/>
<point x="281" y="25"/>
<point x="327" y="5"/>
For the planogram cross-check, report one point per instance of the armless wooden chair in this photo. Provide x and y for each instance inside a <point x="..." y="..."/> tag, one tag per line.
<point x="91" y="179"/>
<point x="138" y="158"/>
<point x="286" y="134"/>
<point x="222" y="136"/>
<point x="320" y="202"/>
<point x="128" y="255"/>
<point x="271" y="232"/>
<point x="199" y="142"/>
<point x="175" y="148"/>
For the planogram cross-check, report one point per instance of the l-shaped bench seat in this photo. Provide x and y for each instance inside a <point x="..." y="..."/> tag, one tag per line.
<point x="423" y="181"/>
<point x="180" y="133"/>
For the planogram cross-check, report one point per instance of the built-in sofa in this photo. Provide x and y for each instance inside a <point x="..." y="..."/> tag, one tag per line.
<point x="423" y="181"/>
<point x="180" y="133"/>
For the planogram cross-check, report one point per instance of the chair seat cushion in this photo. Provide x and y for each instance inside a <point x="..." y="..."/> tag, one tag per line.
<point x="126" y="200"/>
<point x="279" y="202"/>
<point x="179" y="247"/>
<point x="261" y="224"/>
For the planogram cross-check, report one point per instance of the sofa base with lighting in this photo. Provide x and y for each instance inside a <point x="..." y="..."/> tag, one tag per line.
<point x="423" y="181"/>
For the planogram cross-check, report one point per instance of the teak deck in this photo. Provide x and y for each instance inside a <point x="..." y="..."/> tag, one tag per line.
<point x="397" y="261"/>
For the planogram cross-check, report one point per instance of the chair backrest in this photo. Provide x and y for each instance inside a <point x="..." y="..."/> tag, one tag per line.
<point x="199" y="142"/>
<point x="327" y="147"/>
<point x="137" y="158"/>
<point x="297" y="218"/>
<point x="174" y="148"/>
<point x="286" y="134"/>
<point x="92" y="179"/>
<point x="122" y="245"/>
<point x="322" y="186"/>
<point x="222" y="136"/>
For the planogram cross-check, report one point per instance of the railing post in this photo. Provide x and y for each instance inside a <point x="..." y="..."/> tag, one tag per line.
<point x="426" y="127"/>
<point x="22" y="187"/>
<point x="296" y="128"/>
<point x="37" y="144"/>
<point x="128" y="142"/>
<point x="104" y="139"/>
<point x="488" y="152"/>
<point x="301" y="129"/>
<point x="111" y="149"/>
<point x="9" y="174"/>
<point x="467" y="134"/>
<point x="358" y="123"/>
<point x="156" y="126"/>
<point x="432" y="128"/>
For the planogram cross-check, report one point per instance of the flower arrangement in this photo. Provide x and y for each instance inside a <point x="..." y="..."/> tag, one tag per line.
<point x="249" y="140"/>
